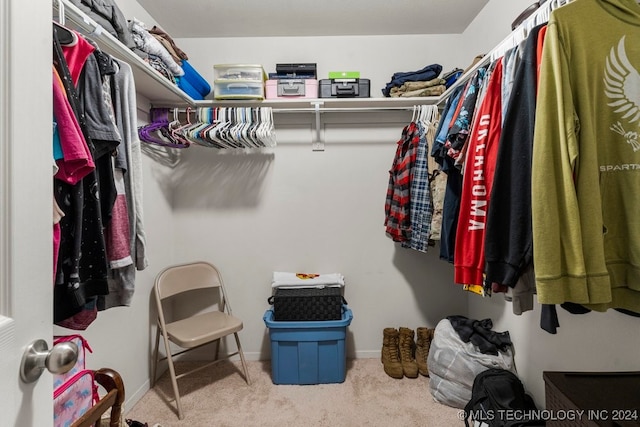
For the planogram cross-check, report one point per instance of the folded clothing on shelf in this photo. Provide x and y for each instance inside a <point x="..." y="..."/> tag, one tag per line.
<point x="452" y="76"/>
<point x="425" y="74"/>
<point x="147" y="43"/>
<point x="306" y="280"/>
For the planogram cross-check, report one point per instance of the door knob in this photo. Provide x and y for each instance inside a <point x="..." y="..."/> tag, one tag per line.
<point x="37" y="357"/>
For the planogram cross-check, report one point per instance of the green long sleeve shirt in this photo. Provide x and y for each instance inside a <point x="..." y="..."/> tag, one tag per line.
<point x="586" y="157"/>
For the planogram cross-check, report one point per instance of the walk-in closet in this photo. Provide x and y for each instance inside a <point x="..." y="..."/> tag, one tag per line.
<point x="309" y="199"/>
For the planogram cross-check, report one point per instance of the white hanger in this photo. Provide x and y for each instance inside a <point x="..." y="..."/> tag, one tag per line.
<point x="433" y="114"/>
<point x="215" y="134"/>
<point x="262" y="131"/>
<point x="249" y="123"/>
<point x="267" y="132"/>
<point x="272" y="135"/>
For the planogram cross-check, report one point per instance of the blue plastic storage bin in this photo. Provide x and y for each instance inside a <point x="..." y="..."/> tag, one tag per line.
<point x="187" y="88"/>
<point x="308" y="352"/>
<point x="196" y="81"/>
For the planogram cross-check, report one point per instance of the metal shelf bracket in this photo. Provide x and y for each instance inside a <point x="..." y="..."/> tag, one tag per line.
<point x="318" y="144"/>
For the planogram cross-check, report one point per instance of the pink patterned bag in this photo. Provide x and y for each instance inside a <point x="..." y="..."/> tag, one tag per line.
<point x="73" y="398"/>
<point x="75" y="391"/>
<point x="83" y="347"/>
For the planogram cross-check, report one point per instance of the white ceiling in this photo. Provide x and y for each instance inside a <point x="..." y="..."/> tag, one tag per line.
<point x="265" y="18"/>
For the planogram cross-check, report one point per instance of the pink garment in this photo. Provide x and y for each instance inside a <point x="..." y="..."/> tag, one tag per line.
<point x="77" y="161"/>
<point x="76" y="56"/>
<point x="81" y="320"/>
<point x="117" y="236"/>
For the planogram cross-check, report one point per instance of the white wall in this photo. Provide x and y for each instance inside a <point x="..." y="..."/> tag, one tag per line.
<point x="292" y="209"/>
<point x="590" y="342"/>
<point x="376" y="57"/>
<point x="491" y="26"/>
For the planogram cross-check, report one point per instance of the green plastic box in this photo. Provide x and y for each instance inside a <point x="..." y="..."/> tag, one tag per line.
<point x="344" y="74"/>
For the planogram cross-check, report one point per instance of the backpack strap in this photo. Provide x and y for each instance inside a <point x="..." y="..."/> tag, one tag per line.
<point x="477" y="392"/>
<point x="468" y="408"/>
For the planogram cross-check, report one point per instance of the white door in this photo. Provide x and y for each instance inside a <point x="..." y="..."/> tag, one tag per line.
<point x="25" y="206"/>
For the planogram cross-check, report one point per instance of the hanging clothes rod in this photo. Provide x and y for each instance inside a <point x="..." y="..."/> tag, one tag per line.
<point x="516" y="36"/>
<point x="340" y="110"/>
<point x="317" y="109"/>
<point x="312" y="110"/>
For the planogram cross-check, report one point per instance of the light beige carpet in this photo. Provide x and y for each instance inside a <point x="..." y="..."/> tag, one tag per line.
<point x="219" y="396"/>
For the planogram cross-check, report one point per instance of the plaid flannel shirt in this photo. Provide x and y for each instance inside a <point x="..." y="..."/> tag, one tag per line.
<point x="421" y="207"/>
<point x="398" y="200"/>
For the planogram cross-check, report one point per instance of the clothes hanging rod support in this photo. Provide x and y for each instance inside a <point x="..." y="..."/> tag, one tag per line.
<point x="318" y="144"/>
<point x="61" y="12"/>
<point x="68" y="11"/>
<point x="341" y="110"/>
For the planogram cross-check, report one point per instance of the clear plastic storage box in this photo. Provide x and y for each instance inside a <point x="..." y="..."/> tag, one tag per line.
<point x="238" y="89"/>
<point x="239" y="72"/>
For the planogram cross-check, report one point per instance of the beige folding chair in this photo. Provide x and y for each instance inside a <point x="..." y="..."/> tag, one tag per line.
<point x="194" y="331"/>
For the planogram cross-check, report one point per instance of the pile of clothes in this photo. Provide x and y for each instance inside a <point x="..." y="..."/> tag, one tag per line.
<point x="424" y="82"/>
<point x="154" y="46"/>
<point x="158" y="55"/>
<point x="168" y="59"/>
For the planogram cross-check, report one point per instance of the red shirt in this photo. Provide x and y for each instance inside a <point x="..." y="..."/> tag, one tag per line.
<point x="479" y="168"/>
<point x="76" y="55"/>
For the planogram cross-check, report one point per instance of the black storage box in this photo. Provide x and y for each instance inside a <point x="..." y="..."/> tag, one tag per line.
<point x="304" y="304"/>
<point x="297" y="69"/>
<point x="344" y="88"/>
<point x="603" y="398"/>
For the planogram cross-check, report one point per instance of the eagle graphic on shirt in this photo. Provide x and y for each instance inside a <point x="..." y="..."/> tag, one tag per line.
<point x="622" y="85"/>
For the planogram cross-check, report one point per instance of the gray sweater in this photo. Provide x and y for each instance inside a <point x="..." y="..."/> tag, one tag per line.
<point x="122" y="280"/>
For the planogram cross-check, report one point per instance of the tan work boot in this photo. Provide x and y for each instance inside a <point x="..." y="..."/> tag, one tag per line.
<point x="407" y="348"/>
<point x="423" y="343"/>
<point x="390" y="355"/>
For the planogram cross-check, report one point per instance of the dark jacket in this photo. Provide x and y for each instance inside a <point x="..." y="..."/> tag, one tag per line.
<point x="509" y="237"/>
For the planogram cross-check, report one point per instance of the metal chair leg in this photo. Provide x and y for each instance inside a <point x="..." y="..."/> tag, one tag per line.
<point x="154" y="366"/>
<point x="244" y="362"/>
